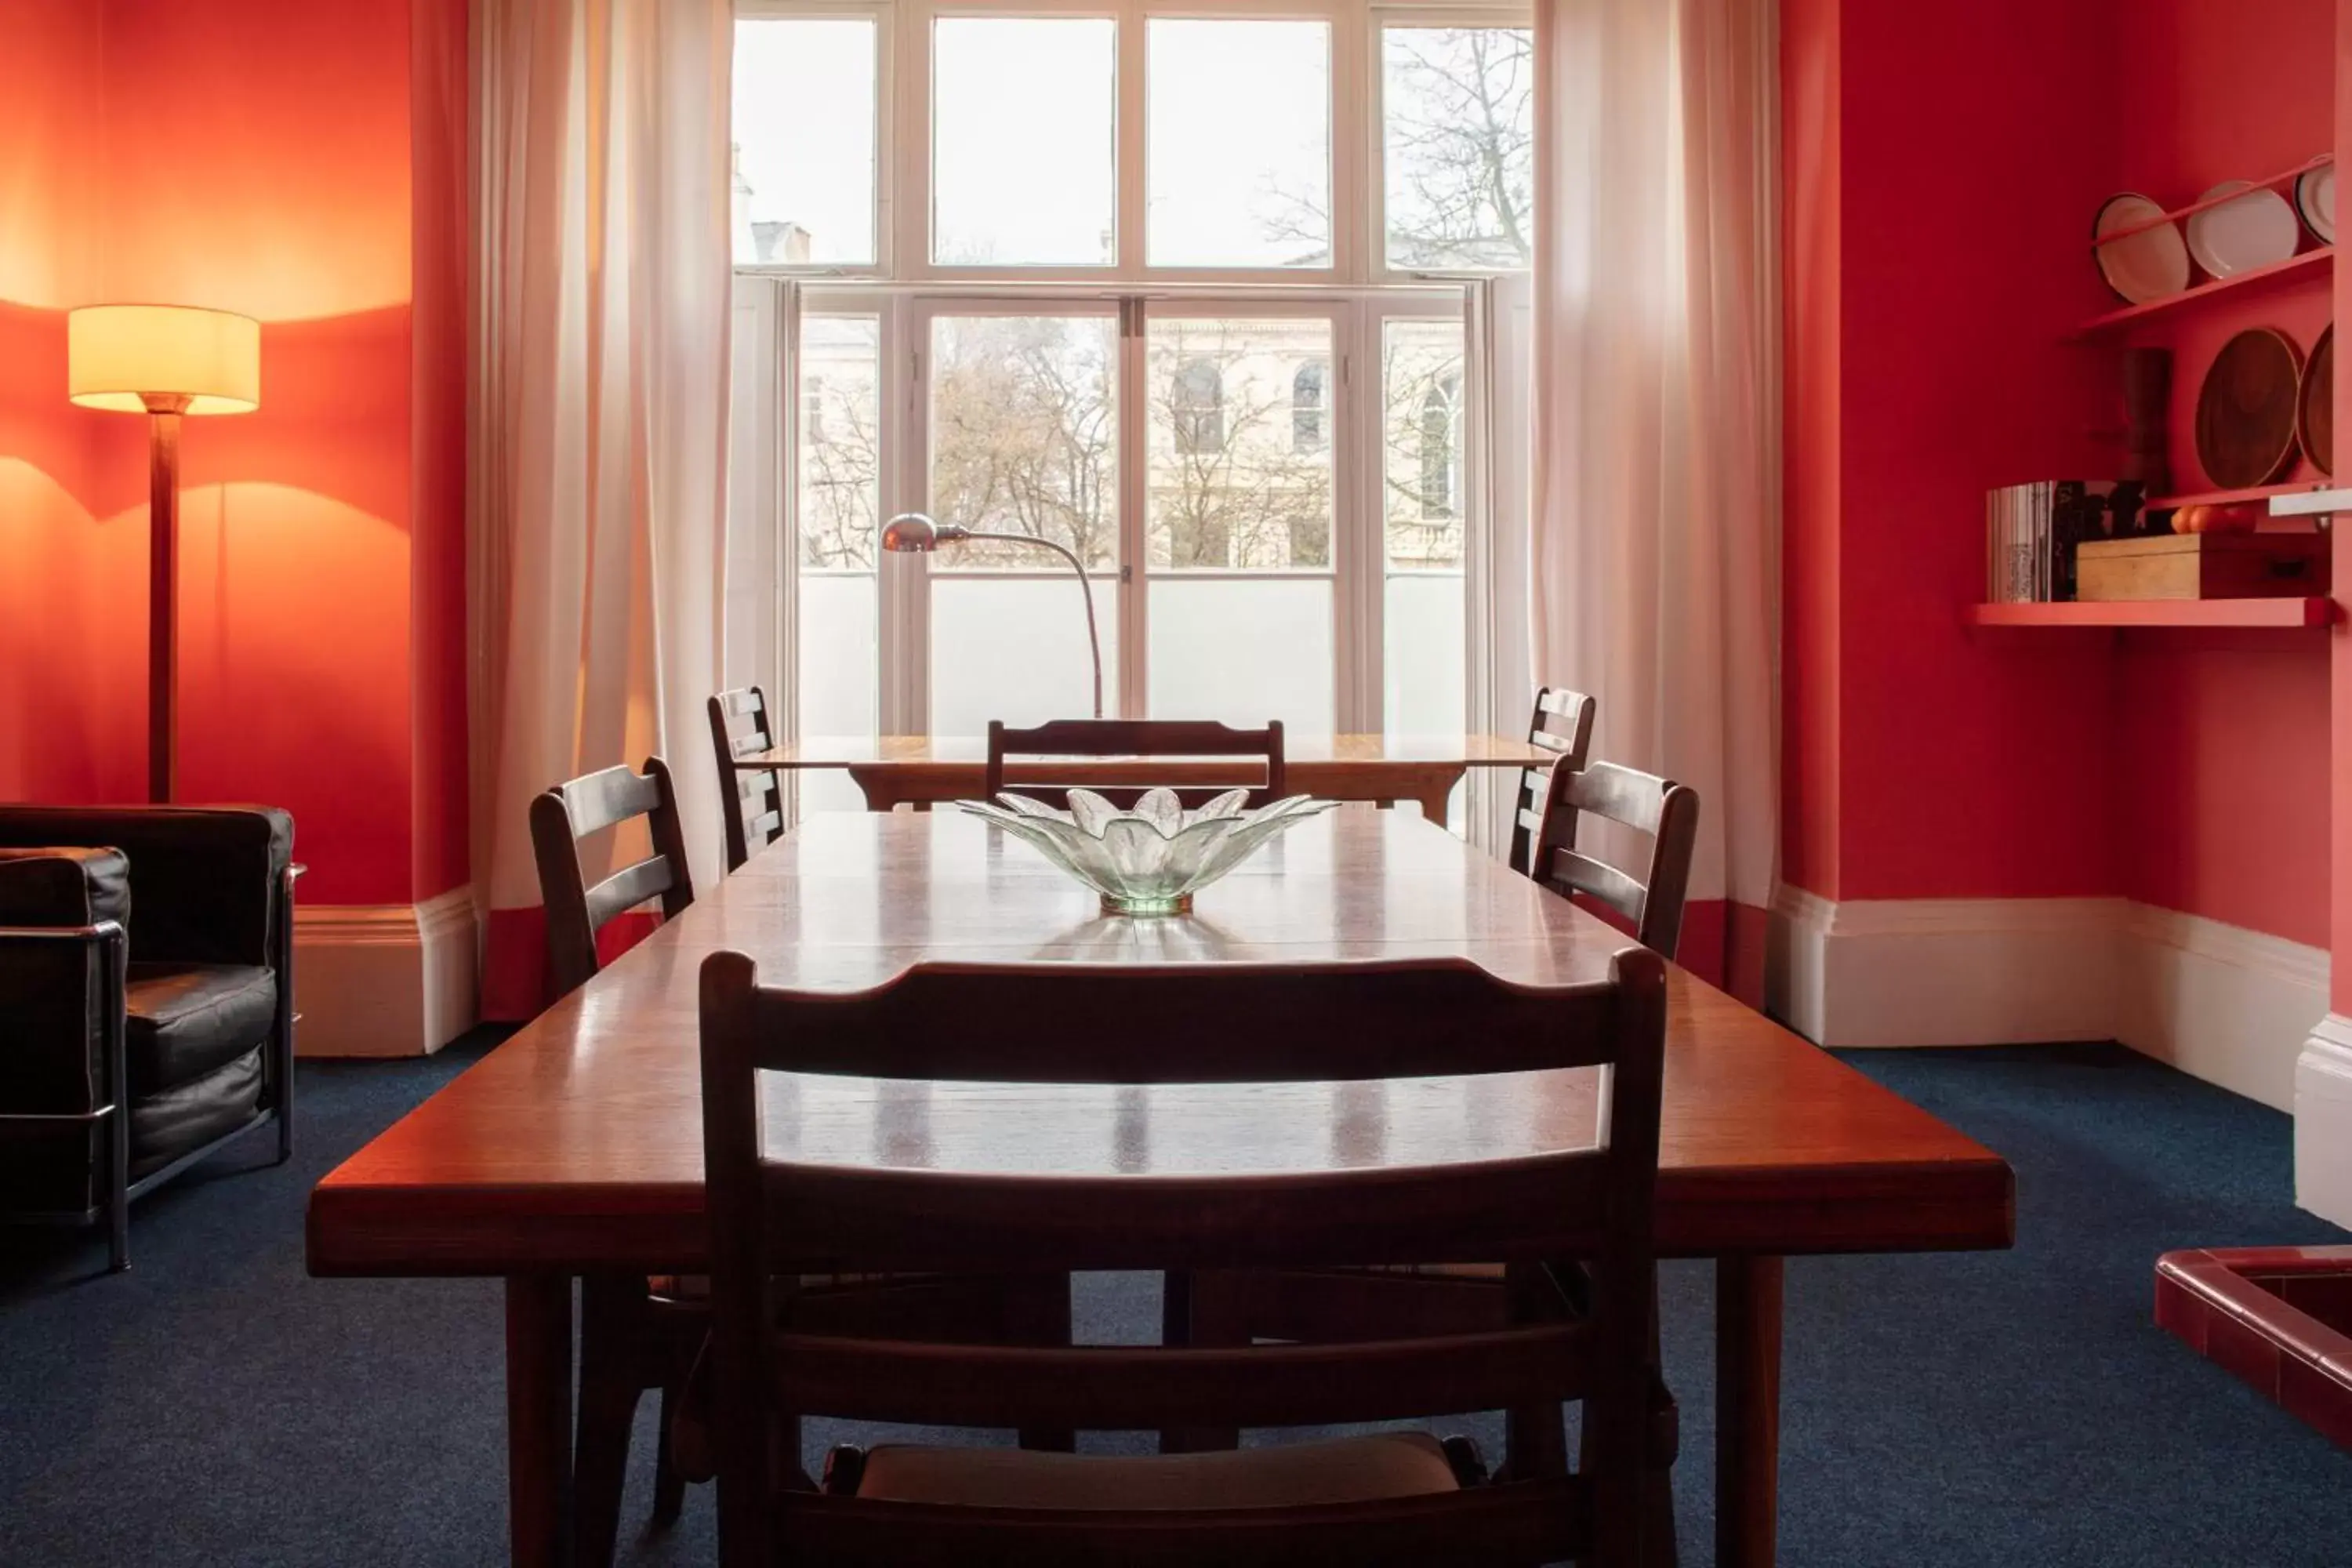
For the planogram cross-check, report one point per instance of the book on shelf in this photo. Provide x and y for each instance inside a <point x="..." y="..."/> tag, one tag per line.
<point x="2032" y="531"/>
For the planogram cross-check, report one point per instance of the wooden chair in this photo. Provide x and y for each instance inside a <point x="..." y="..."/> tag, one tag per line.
<point x="1562" y="723"/>
<point x="638" y="1333"/>
<point x="1327" y="1304"/>
<point x="1160" y="741"/>
<point x="560" y="817"/>
<point x="753" y="803"/>
<point x="1391" y="1499"/>
<point x="1667" y="812"/>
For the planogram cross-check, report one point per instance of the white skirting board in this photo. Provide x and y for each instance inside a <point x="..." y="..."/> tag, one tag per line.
<point x="2227" y="1004"/>
<point x="2323" y="1122"/>
<point x="384" y="980"/>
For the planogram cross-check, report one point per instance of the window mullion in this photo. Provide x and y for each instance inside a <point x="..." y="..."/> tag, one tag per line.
<point x="1360" y="557"/>
<point x="905" y="588"/>
<point x="1134" y="496"/>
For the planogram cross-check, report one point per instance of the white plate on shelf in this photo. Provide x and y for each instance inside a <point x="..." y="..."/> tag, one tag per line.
<point x="2315" y="198"/>
<point x="2146" y="266"/>
<point x="2256" y="229"/>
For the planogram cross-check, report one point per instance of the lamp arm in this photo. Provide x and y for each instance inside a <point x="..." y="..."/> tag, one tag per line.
<point x="1085" y="590"/>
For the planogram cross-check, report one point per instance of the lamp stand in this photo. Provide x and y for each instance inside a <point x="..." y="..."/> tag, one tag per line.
<point x="162" y="592"/>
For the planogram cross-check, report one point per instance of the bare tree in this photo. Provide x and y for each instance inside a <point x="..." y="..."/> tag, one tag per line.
<point x="1234" y="490"/>
<point x="1459" y="104"/>
<point x="1022" y="435"/>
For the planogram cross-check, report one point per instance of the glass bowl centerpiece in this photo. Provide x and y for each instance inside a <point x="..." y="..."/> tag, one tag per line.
<point x="1151" y="860"/>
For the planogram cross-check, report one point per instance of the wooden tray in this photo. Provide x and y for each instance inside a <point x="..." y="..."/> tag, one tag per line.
<point x="2314" y="404"/>
<point x="2246" y="410"/>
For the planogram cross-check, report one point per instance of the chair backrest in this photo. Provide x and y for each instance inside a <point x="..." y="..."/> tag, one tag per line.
<point x="1562" y="725"/>
<point x="1127" y="1023"/>
<point x="1170" y="742"/>
<point x="1666" y="811"/>
<point x="751" y="800"/>
<point x="560" y="817"/>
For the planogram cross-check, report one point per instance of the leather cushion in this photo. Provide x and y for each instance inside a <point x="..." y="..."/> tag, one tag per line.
<point x="1290" y="1475"/>
<point x="51" y="1026"/>
<point x="205" y="877"/>
<point x="166" y="1125"/>
<point x="64" y="886"/>
<point x="188" y="1018"/>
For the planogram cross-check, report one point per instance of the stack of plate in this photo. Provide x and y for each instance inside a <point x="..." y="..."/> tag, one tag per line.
<point x="2247" y="228"/>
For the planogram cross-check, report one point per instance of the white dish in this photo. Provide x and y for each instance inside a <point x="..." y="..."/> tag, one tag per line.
<point x="2315" y="198"/>
<point x="2256" y="230"/>
<point x="2148" y="266"/>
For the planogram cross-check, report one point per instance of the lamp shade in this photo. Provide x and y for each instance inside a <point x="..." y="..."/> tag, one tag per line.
<point x="118" y="356"/>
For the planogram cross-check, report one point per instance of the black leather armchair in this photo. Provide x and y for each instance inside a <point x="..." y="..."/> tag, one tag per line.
<point x="146" y="1000"/>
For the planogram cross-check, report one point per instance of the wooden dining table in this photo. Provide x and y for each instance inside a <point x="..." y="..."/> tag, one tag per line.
<point x="922" y="771"/>
<point x="576" y="1147"/>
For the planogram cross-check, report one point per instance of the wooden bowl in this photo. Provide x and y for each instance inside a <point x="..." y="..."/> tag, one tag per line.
<point x="2314" y="404"/>
<point x="2246" y="410"/>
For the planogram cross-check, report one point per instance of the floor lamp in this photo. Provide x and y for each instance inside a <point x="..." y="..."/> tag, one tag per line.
<point x="912" y="533"/>
<point x="162" y="360"/>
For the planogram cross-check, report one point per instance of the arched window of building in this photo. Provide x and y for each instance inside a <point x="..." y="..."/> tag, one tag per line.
<point x="1197" y="402"/>
<point x="1441" y="448"/>
<point x="1309" y="430"/>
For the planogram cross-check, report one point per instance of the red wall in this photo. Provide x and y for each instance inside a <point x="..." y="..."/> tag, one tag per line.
<point x="2224" y="754"/>
<point x="1926" y="365"/>
<point x="65" y="672"/>
<point x="322" y="585"/>
<point x="1811" y="222"/>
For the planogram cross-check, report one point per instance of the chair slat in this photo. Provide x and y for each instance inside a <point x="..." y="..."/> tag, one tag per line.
<point x="627" y="888"/>
<point x="822" y="1217"/>
<point x="604" y="798"/>
<point x="1161" y="1023"/>
<point x="1110" y="1389"/>
<point x="1131" y="738"/>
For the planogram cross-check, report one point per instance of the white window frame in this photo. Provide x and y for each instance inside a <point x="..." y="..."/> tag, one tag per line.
<point x="905" y="290"/>
<point x="1411" y="14"/>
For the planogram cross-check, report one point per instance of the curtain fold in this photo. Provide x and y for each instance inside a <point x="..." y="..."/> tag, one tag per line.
<point x="1656" y="533"/>
<point x="1497" y="332"/>
<point x="597" y="525"/>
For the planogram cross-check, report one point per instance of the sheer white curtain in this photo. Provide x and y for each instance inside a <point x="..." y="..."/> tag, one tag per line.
<point x="1657" y="488"/>
<point x="597" y="525"/>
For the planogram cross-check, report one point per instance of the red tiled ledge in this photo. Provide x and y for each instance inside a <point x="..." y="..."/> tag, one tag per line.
<point x="2278" y="1317"/>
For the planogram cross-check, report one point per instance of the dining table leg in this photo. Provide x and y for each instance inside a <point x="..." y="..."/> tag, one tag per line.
<point x="1436" y="792"/>
<point x="538" y="1416"/>
<point x="1747" y="1409"/>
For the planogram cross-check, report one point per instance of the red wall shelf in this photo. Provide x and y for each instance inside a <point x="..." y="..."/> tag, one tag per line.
<point x="2304" y="612"/>
<point x="2231" y="498"/>
<point x="2287" y="272"/>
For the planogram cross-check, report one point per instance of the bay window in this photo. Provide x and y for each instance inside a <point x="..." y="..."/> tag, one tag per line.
<point x="1181" y="291"/>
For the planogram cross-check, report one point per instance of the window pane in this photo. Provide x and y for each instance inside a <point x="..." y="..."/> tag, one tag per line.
<point x="1025" y="438"/>
<point x="1015" y="649"/>
<point x="1242" y="650"/>
<point x="840" y="496"/>
<point x="1240" y="472"/>
<point x="803" y="134"/>
<point x="1420" y="482"/>
<point x="1023" y="154"/>
<point x="1459" y="139"/>
<point x="841" y="441"/>
<point x="1238" y="144"/>
<point x="1024" y="441"/>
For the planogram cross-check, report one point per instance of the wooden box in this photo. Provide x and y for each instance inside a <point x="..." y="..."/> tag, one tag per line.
<point x="2202" y="567"/>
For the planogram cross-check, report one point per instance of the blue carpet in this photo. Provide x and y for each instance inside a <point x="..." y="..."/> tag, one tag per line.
<point x="218" y="1406"/>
